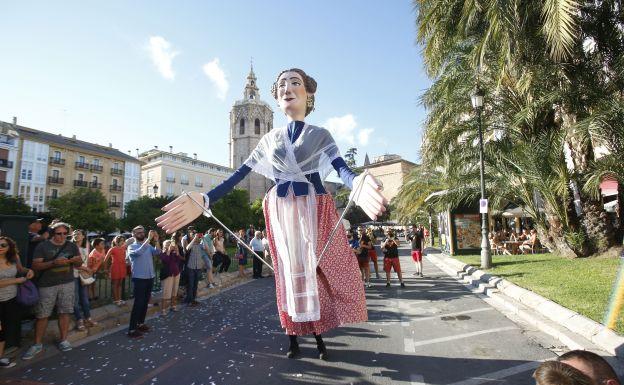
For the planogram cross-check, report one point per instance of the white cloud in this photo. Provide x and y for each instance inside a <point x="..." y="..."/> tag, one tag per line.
<point x="162" y="56"/>
<point x="217" y="76"/>
<point x="363" y="136"/>
<point x="344" y="129"/>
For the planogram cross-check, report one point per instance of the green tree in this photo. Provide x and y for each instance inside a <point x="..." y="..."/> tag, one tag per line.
<point x="409" y="204"/>
<point x="349" y="157"/>
<point x="13" y="206"/>
<point x="233" y="210"/>
<point x="143" y="211"/>
<point x="257" y="214"/>
<point x="554" y="80"/>
<point x="84" y="209"/>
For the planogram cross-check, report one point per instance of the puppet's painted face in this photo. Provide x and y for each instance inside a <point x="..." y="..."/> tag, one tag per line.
<point x="292" y="95"/>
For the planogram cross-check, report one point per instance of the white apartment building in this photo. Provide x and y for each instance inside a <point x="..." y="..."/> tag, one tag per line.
<point x="33" y="173"/>
<point x="132" y="182"/>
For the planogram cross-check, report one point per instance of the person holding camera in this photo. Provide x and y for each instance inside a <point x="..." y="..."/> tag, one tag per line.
<point x="141" y="255"/>
<point x="390" y="248"/>
<point x="169" y="276"/>
<point x="54" y="260"/>
<point x="220" y="257"/>
<point x="194" y="265"/>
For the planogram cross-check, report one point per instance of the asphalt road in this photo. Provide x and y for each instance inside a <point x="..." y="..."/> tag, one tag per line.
<point x="434" y="331"/>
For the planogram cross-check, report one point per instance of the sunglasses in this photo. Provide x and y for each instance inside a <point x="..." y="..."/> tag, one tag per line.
<point x="64" y="233"/>
<point x="4" y="245"/>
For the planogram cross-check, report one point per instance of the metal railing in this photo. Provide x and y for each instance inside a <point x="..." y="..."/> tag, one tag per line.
<point x="114" y="204"/>
<point x="116" y="187"/>
<point x="6" y="163"/>
<point x="56" y="180"/>
<point x="103" y="284"/>
<point x="82" y="165"/>
<point x="5" y="185"/>
<point x="117" y="171"/>
<point x="55" y="160"/>
<point x="95" y="185"/>
<point x="80" y="183"/>
<point x="96" y="168"/>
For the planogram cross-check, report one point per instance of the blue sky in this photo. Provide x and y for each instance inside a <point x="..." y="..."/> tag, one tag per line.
<point x="144" y="73"/>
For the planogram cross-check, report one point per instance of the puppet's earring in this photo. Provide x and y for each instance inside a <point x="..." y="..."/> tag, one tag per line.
<point x="310" y="102"/>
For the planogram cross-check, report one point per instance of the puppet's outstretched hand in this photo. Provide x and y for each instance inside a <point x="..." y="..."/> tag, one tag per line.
<point x="366" y="193"/>
<point x="181" y="211"/>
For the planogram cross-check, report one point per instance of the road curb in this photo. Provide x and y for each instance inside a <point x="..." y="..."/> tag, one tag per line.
<point x="498" y="288"/>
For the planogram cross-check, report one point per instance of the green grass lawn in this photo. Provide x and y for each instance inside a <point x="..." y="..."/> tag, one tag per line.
<point x="583" y="285"/>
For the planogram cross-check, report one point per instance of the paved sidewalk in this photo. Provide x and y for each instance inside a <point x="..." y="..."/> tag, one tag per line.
<point x="535" y="312"/>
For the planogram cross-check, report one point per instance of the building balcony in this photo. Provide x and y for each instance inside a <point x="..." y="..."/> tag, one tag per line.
<point x="51" y="197"/>
<point x="184" y="182"/>
<point x="82" y="166"/>
<point x="81" y="183"/>
<point x="117" y="171"/>
<point x="95" y="185"/>
<point x="56" y="180"/>
<point x="96" y="168"/>
<point x="5" y="185"/>
<point x="114" y="204"/>
<point x="171" y="180"/>
<point x="199" y="184"/>
<point x="116" y="188"/>
<point x="55" y="160"/>
<point x="6" y="163"/>
<point x="7" y="140"/>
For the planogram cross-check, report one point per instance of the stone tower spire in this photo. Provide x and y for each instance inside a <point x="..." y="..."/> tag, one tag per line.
<point x="366" y="160"/>
<point x="251" y="89"/>
<point x="250" y="119"/>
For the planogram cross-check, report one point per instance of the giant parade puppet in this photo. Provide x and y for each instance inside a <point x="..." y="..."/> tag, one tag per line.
<point x="317" y="279"/>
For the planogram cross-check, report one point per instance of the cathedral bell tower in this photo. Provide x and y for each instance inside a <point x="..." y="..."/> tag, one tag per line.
<point x="250" y="119"/>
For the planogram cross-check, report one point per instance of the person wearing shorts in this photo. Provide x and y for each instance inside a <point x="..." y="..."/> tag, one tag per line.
<point x="363" y="258"/>
<point x="372" y="253"/>
<point x="390" y="248"/>
<point x="416" y="237"/>
<point x="54" y="260"/>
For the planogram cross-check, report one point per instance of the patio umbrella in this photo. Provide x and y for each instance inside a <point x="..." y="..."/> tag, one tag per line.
<point x="515" y="212"/>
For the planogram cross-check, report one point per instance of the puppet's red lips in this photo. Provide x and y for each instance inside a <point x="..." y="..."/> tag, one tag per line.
<point x="289" y="99"/>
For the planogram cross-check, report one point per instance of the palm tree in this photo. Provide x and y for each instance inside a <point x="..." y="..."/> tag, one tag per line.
<point x="547" y="90"/>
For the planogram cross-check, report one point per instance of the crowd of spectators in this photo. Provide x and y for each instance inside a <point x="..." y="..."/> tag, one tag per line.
<point x="511" y="242"/>
<point x="63" y="266"/>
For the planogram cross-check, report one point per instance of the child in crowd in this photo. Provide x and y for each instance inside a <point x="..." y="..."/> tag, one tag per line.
<point x="94" y="262"/>
<point x="241" y="254"/>
<point x="116" y="259"/>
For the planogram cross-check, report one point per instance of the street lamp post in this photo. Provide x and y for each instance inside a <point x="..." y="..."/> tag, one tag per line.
<point x="486" y="258"/>
<point x="155" y="190"/>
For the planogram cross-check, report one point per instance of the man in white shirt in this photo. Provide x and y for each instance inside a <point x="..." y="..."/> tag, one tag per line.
<point x="258" y="247"/>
